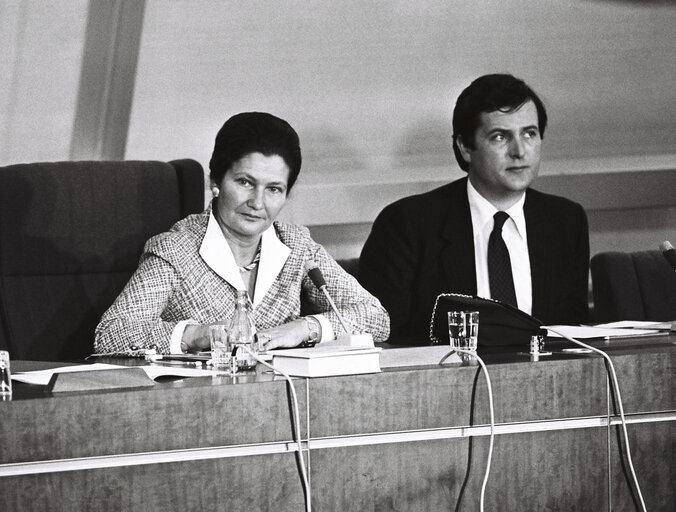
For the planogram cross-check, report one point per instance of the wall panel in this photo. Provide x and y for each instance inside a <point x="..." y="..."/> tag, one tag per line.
<point x="370" y="86"/>
<point x="41" y="46"/>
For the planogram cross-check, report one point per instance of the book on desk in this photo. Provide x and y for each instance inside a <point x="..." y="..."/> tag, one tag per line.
<point x="327" y="361"/>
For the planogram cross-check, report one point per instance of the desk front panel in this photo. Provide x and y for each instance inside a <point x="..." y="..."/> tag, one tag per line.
<point x="556" y="470"/>
<point x="268" y="482"/>
<point x="204" y="413"/>
<point x="357" y="462"/>
<point x="457" y="396"/>
<point x="652" y="452"/>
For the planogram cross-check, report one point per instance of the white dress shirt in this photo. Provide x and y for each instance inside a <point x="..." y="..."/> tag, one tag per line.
<point x="514" y="235"/>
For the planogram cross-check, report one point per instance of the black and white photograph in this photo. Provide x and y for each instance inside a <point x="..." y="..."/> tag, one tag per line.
<point x="360" y="255"/>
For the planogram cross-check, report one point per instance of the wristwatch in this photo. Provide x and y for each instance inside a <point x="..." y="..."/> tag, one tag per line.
<point x="315" y="329"/>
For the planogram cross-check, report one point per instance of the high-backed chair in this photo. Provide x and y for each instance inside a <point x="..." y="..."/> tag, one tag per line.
<point x="350" y="265"/>
<point x="633" y="286"/>
<point x="71" y="234"/>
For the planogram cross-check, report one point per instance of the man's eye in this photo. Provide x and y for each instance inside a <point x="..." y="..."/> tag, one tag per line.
<point x="532" y="134"/>
<point x="498" y="137"/>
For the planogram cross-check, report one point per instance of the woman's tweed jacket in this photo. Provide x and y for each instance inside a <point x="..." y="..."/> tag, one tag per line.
<point x="177" y="280"/>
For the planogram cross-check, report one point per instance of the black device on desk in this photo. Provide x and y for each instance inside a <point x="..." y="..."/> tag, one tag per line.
<point x="500" y="324"/>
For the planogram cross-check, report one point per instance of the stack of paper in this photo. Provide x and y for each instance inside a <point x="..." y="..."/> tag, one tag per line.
<point x="588" y="332"/>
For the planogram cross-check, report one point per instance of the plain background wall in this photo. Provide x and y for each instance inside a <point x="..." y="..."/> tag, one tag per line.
<point x="41" y="47"/>
<point x="369" y="85"/>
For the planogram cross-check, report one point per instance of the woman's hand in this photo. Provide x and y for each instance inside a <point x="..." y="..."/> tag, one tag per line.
<point x="290" y="334"/>
<point x="196" y="337"/>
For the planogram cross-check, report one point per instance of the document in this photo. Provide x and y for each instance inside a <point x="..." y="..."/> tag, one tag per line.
<point x="588" y="332"/>
<point x="42" y="377"/>
<point x="640" y="324"/>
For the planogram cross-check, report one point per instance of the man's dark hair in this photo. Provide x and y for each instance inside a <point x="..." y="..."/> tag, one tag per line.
<point x="255" y="132"/>
<point x="489" y="93"/>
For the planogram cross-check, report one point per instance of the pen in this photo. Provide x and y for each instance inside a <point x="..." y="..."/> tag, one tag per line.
<point x="179" y="363"/>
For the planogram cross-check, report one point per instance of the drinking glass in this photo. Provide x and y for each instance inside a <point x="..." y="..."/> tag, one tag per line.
<point x="5" y="376"/>
<point x="221" y="350"/>
<point x="463" y="329"/>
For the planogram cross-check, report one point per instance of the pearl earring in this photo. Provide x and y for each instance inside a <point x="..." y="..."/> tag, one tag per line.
<point x="214" y="191"/>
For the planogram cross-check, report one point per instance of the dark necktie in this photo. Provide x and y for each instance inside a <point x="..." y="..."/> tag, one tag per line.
<point x="499" y="264"/>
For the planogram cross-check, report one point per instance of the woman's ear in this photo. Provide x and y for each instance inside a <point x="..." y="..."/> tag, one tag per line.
<point x="214" y="189"/>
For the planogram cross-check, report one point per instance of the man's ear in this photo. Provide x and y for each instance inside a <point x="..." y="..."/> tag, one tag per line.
<point x="464" y="150"/>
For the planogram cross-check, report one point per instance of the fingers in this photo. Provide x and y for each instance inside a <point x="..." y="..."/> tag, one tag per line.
<point x="274" y="339"/>
<point x="275" y="343"/>
<point x="290" y="334"/>
<point x="268" y="341"/>
<point x="203" y="343"/>
<point x="264" y="341"/>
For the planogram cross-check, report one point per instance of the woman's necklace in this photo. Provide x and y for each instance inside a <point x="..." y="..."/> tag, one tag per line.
<point x="254" y="262"/>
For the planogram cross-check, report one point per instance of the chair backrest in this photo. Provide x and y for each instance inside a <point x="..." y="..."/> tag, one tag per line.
<point x="350" y="265"/>
<point x="633" y="286"/>
<point x="71" y="234"/>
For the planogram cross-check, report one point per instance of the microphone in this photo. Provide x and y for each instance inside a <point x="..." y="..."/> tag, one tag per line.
<point x="318" y="280"/>
<point x="352" y="340"/>
<point x="669" y="254"/>
<point x="315" y="275"/>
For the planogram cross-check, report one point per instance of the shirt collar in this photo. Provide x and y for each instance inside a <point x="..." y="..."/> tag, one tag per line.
<point x="216" y="253"/>
<point x="274" y="254"/>
<point x="482" y="210"/>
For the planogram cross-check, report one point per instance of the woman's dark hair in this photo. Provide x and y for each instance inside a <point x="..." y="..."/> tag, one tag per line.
<point x="255" y="132"/>
<point x="489" y="93"/>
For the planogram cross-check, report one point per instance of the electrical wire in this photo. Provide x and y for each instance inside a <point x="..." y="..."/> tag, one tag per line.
<point x="616" y="387"/>
<point x="296" y="425"/>
<point x="473" y="354"/>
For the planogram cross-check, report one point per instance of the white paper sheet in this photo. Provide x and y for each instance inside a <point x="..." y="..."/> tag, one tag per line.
<point x="586" y="332"/>
<point x="42" y="377"/>
<point x="639" y="324"/>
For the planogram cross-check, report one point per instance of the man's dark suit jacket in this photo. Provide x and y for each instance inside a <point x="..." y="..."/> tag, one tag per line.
<point x="422" y="245"/>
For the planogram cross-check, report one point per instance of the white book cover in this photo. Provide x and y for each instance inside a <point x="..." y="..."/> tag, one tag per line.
<point x="327" y="361"/>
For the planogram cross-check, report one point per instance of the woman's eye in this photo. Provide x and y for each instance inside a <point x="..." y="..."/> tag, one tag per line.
<point x="244" y="182"/>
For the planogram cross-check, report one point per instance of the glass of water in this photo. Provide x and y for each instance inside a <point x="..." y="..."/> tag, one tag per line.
<point x="463" y="329"/>
<point x="221" y="350"/>
<point x="5" y="376"/>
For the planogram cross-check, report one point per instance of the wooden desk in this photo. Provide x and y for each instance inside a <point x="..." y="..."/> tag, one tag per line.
<point x="404" y="439"/>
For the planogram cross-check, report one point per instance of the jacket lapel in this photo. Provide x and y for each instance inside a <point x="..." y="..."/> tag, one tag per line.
<point x="273" y="257"/>
<point x="457" y="242"/>
<point x="541" y="258"/>
<point x="217" y="254"/>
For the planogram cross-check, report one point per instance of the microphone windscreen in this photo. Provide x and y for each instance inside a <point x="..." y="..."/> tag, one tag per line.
<point x="669" y="253"/>
<point x="315" y="274"/>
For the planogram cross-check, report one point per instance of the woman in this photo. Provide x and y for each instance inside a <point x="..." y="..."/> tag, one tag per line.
<point x="187" y="277"/>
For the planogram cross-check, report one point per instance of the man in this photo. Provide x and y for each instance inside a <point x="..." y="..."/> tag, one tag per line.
<point x="444" y="241"/>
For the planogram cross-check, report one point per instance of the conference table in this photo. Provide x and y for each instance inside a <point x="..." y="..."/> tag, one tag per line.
<point x="412" y="437"/>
